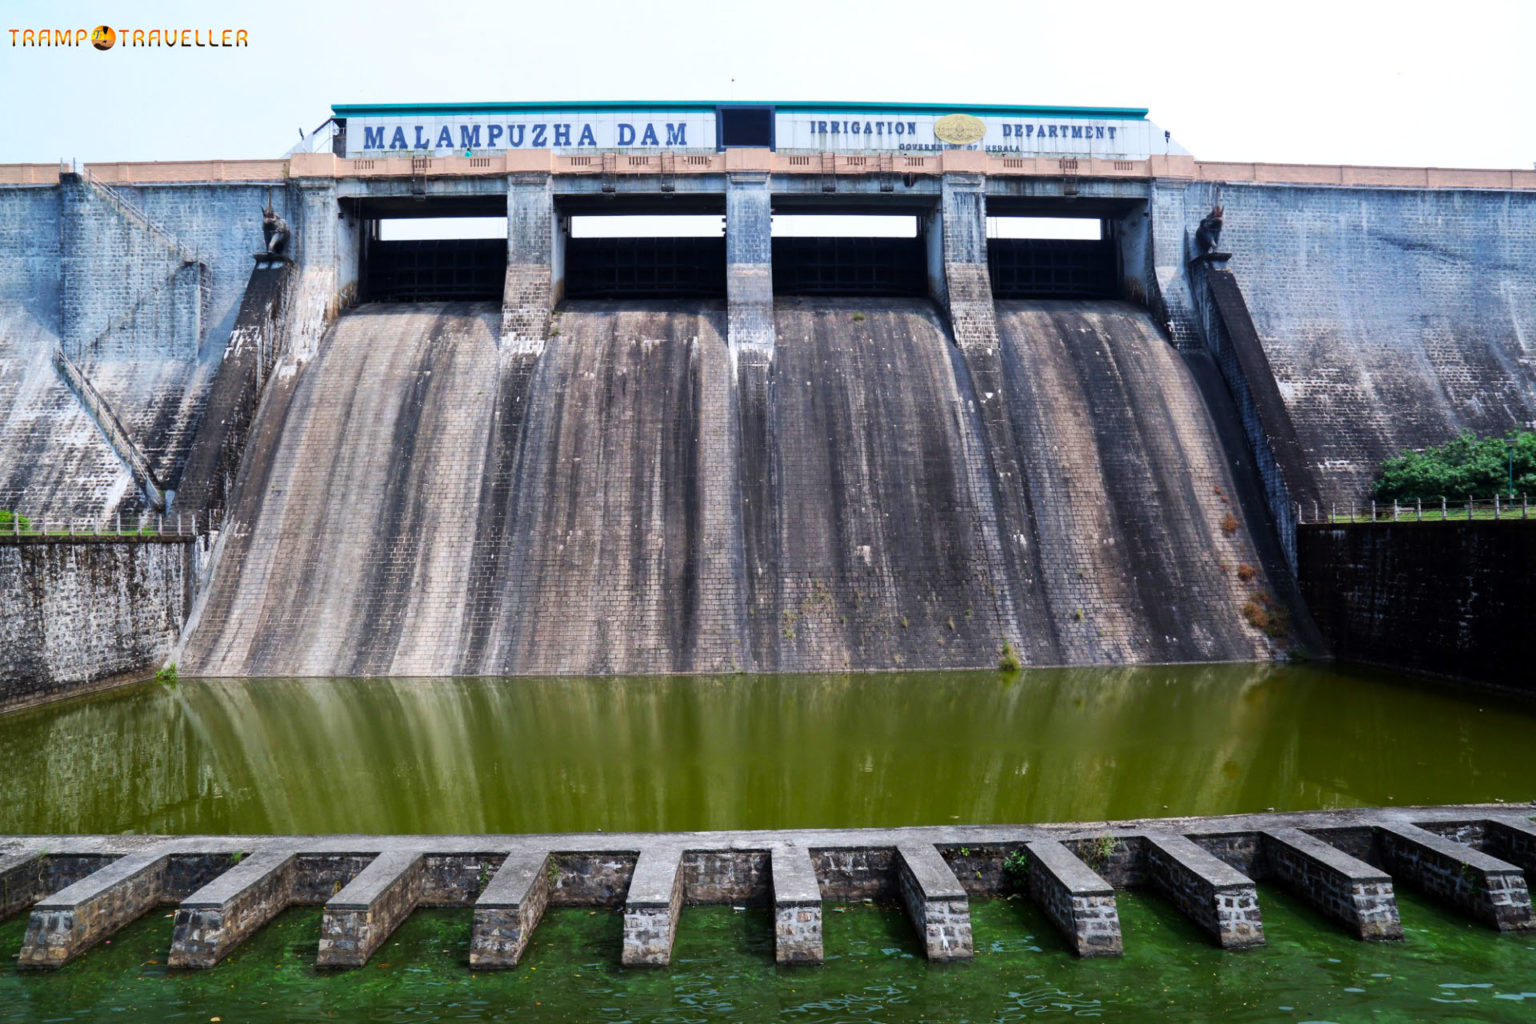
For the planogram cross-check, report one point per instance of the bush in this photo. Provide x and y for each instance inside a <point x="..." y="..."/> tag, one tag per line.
<point x="1008" y="658"/>
<point x="1465" y="466"/>
<point x="11" y="521"/>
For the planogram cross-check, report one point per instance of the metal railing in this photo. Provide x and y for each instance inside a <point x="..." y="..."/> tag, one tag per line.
<point x="1445" y="510"/>
<point x="112" y="428"/>
<point x="130" y="211"/>
<point x="143" y="525"/>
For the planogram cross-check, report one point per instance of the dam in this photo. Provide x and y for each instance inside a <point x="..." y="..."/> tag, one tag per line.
<point x="747" y="452"/>
<point x="589" y="599"/>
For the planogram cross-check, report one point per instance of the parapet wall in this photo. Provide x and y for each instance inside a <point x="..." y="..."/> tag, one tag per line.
<point x="83" y="612"/>
<point x="1453" y="599"/>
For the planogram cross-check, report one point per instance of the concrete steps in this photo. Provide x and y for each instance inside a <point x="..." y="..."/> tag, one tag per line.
<point x="82" y="889"/>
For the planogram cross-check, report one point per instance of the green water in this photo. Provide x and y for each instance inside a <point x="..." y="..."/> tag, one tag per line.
<point x="566" y="755"/>
<point x="738" y="752"/>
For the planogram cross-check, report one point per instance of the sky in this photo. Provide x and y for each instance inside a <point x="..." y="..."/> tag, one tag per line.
<point x="1400" y="83"/>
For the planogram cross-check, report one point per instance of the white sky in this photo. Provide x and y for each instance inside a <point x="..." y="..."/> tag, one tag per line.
<point x="1343" y="81"/>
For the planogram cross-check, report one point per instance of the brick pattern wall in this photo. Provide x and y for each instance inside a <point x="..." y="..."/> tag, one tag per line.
<point x="84" y="612"/>
<point x="1452" y="599"/>
<point x="1392" y="318"/>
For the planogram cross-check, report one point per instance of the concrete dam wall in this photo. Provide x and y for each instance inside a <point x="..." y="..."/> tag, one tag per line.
<point x="1391" y="318"/>
<point x="634" y="499"/>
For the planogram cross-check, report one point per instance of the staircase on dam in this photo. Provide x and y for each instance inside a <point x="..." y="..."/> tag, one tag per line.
<point x="420" y="501"/>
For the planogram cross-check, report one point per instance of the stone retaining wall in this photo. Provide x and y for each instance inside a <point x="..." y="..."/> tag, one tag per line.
<point x="81" y="613"/>
<point x="1453" y="599"/>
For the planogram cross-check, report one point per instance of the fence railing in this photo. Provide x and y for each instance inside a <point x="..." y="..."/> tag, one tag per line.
<point x="1443" y="510"/>
<point x="116" y="434"/>
<point x="146" y="525"/>
<point x="129" y="210"/>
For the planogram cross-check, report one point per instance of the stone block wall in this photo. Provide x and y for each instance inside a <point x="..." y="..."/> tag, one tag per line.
<point x="1452" y="599"/>
<point x="84" y="612"/>
<point x="1392" y="318"/>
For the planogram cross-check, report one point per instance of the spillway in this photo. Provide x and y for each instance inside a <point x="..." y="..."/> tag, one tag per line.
<point x="419" y="500"/>
<point x="349" y="547"/>
<point x="1134" y="504"/>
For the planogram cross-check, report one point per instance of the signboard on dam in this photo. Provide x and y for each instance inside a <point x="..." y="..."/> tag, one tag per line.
<point x="475" y="128"/>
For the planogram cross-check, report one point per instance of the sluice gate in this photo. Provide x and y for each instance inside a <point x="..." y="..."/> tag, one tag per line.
<point x="80" y="890"/>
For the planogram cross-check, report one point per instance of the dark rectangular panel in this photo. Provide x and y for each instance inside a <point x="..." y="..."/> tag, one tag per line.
<point x="1054" y="268"/>
<point x="849" y="266"/>
<point x="660" y="268"/>
<point x="435" y="270"/>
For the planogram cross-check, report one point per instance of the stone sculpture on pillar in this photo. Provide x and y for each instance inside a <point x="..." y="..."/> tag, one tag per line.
<point x="1208" y="236"/>
<point x="274" y="231"/>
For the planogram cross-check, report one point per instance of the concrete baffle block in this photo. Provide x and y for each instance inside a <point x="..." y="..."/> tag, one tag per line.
<point x="1076" y="900"/>
<point x="215" y="919"/>
<point x="361" y="916"/>
<point x="1213" y="894"/>
<point x="1344" y="889"/>
<point x="935" y="901"/>
<point x="651" y="908"/>
<point x="1489" y="890"/>
<point x="509" y="909"/>
<point x="796" y="907"/>
<point x="77" y="917"/>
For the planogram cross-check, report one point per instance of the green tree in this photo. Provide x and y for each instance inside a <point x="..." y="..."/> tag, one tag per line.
<point x="1465" y="465"/>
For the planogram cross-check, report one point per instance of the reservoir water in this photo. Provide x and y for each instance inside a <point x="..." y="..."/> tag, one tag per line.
<point x="533" y="755"/>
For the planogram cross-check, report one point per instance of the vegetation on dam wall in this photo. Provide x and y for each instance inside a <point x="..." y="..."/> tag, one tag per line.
<point x="1465" y="466"/>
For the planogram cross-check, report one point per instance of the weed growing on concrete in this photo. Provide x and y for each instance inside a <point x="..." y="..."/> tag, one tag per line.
<point x="1103" y="849"/>
<point x="237" y="857"/>
<point x="1078" y="615"/>
<point x="1229" y="524"/>
<point x="552" y="872"/>
<point x="787" y="627"/>
<point x="166" y="677"/>
<point x="1016" y="868"/>
<point x="858" y="318"/>
<point x="1246" y="572"/>
<point x="1008" y="658"/>
<point x="903" y="622"/>
<point x="485" y="875"/>
<point x="1264" y="613"/>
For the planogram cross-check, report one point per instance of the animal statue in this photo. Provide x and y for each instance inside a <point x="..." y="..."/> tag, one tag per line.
<point x="274" y="231"/>
<point x="1209" y="233"/>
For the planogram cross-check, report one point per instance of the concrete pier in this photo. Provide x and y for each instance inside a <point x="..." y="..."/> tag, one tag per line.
<point x="83" y="888"/>
<point x="358" y="919"/>
<point x="935" y="901"/>
<point x="796" y="907"/>
<point x="1344" y="889"/>
<point x="71" y="921"/>
<point x="748" y="264"/>
<point x="1490" y="890"/>
<point x="1217" y="897"/>
<point x="1076" y="900"/>
<point x="509" y="909"/>
<point x="225" y="912"/>
<point x="651" y="909"/>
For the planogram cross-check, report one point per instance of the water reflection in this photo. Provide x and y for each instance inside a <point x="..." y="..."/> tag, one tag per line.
<point x="524" y="755"/>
